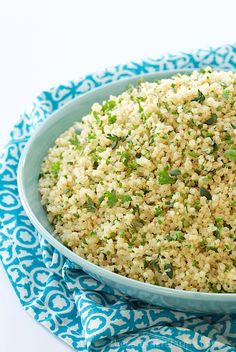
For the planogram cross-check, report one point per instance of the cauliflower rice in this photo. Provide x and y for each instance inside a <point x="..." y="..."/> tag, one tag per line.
<point x="145" y="185"/>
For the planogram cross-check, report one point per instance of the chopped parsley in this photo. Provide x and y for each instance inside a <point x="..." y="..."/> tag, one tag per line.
<point x="168" y="269"/>
<point x="138" y="100"/>
<point x="177" y="236"/>
<point x="226" y="94"/>
<point x="125" y="157"/>
<point x="213" y="288"/>
<point x="156" y="266"/>
<point x="175" y="172"/>
<point x="91" y="136"/>
<point x="111" y="198"/>
<point x="95" y="158"/>
<point x="55" y="167"/>
<point x="136" y="209"/>
<point x="133" y="165"/>
<point x="57" y="218"/>
<point x="92" y="234"/>
<point x="100" y="199"/>
<point x="197" y="205"/>
<point x="211" y="120"/>
<point x="233" y="126"/>
<point x="193" y="154"/>
<point x="203" y="243"/>
<point x="114" y="139"/>
<point x="205" y="193"/>
<point x="158" y="211"/>
<point x="233" y="204"/>
<point x="215" y="147"/>
<point x="219" y="225"/>
<point x="97" y="119"/>
<point x="200" y="97"/>
<point x="230" y="154"/>
<point x="111" y="119"/>
<point x="78" y="131"/>
<point x="165" y="179"/>
<point x="74" y="140"/>
<point x="108" y="106"/>
<point x="76" y="215"/>
<point x="124" y="199"/>
<point x="90" y="205"/>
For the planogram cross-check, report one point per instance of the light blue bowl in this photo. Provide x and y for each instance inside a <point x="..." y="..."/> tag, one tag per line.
<point x="28" y="172"/>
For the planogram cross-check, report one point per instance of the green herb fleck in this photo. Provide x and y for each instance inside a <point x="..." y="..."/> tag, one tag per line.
<point x="213" y="288"/>
<point x="111" y="198"/>
<point x="233" y="204"/>
<point x="92" y="234"/>
<point x="124" y="199"/>
<point x="111" y="119"/>
<point x="143" y="235"/>
<point x="156" y="266"/>
<point x="133" y="165"/>
<point x="125" y="157"/>
<point x="108" y="106"/>
<point x="165" y="179"/>
<point x="193" y="154"/>
<point x="197" y="205"/>
<point x="76" y="215"/>
<point x="158" y="211"/>
<point x="230" y="154"/>
<point x="74" y="141"/>
<point x="200" y="97"/>
<point x="91" y="136"/>
<point x="211" y="120"/>
<point x="78" y="131"/>
<point x="205" y="193"/>
<point x="203" y="243"/>
<point x="177" y="236"/>
<point x="138" y="100"/>
<point x="100" y="199"/>
<point x="233" y="126"/>
<point x="195" y="263"/>
<point x="97" y="118"/>
<point x="175" y="172"/>
<point x="136" y="209"/>
<point x="219" y="225"/>
<point x="55" y="168"/>
<point x="114" y="139"/>
<point x="168" y="269"/>
<point x="215" y="147"/>
<point x="68" y="191"/>
<point x="57" y="218"/>
<point x="226" y="94"/>
<point x="90" y="205"/>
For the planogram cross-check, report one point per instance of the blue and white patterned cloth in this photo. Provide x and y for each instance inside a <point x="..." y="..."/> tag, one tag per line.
<point x="75" y="307"/>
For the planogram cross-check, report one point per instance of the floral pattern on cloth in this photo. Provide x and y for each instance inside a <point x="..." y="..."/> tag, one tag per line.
<point x="75" y="307"/>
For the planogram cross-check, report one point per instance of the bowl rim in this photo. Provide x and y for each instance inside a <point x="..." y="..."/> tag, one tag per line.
<point x="69" y="254"/>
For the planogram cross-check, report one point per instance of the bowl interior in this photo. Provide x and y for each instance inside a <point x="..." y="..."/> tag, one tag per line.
<point x="61" y="120"/>
<point x="28" y="173"/>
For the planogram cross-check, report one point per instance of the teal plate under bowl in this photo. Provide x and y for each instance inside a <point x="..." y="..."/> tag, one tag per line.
<point x="28" y="172"/>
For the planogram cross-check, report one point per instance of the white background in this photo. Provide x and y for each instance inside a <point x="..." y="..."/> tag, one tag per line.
<point x="44" y="43"/>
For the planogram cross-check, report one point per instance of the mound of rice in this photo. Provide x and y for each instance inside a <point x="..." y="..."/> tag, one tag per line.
<point x="145" y="186"/>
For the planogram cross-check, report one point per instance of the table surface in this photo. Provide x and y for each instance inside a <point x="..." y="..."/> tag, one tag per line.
<point x="44" y="43"/>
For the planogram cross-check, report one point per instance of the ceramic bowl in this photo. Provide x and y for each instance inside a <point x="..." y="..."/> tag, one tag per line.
<point x="28" y="173"/>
